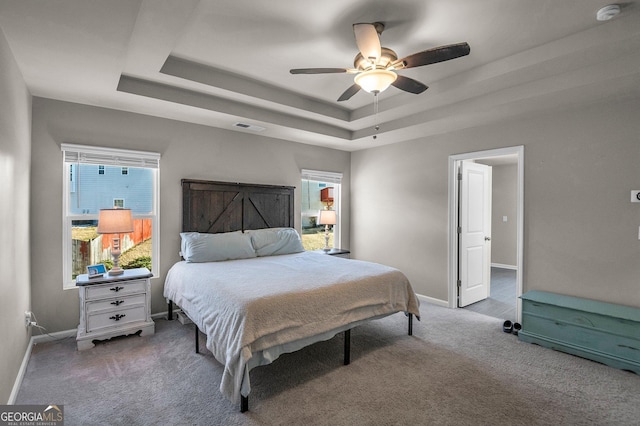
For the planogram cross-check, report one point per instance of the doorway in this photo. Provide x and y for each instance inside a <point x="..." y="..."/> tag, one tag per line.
<point x="503" y="271"/>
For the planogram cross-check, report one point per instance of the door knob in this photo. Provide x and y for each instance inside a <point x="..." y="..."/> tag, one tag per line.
<point x="487" y="238"/>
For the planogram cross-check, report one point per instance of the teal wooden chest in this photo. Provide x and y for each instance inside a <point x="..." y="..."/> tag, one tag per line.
<point x="603" y="332"/>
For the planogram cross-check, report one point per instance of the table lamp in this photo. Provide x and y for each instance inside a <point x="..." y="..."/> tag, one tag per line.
<point x="115" y="221"/>
<point x="326" y="218"/>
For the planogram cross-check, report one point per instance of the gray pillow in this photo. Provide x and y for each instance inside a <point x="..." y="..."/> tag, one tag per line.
<point x="275" y="241"/>
<point x="198" y="248"/>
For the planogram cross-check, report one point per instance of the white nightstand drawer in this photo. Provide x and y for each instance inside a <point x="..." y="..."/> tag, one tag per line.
<point x="116" y="303"/>
<point x="116" y="289"/>
<point x="115" y="318"/>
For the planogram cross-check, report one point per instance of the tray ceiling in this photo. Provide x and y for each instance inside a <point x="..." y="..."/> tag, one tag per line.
<point x="218" y="63"/>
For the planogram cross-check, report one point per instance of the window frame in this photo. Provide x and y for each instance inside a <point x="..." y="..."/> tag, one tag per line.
<point x="328" y="177"/>
<point x="82" y="154"/>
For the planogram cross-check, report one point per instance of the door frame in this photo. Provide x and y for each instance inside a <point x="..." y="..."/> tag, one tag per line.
<point x="453" y="219"/>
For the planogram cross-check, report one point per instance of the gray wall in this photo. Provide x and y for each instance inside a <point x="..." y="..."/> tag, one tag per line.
<point x="188" y="151"/>
<point x="581" y="231"/>
<point x="504" y="202"/>
<point x="15" y="149"/>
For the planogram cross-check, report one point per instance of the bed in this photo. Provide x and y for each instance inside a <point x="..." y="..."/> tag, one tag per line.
<point x="248" y="285"/>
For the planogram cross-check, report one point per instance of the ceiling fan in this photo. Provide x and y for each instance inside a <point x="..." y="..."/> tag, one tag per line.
<point x="375" y="66"/>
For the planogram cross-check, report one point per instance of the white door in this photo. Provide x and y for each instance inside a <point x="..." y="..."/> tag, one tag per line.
<point x="474" y="271"/>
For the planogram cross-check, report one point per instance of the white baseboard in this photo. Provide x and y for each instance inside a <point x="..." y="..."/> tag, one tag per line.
<point x="503" y="266"/>
<point x="177" y="315"/>
<point x="162" y="315"/>
<point x="50" y="337"/>
<point x="20" y="376"/>
<point x="433" y="300"/>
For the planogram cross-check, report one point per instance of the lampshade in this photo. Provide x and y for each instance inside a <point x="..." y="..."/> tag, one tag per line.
<point x="327" y="217"/>
<point x="115" y="221"/>
<point x="375" y="80"/>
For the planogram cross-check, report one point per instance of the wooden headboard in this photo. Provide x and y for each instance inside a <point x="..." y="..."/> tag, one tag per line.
<point x="213" y="207"/>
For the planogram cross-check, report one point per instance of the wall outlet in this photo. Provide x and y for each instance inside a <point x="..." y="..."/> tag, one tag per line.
<point x="635" y="196"/>
<point x="27" y="318"/>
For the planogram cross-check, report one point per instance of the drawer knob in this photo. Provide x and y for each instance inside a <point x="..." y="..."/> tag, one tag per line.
<point x="117" y="317"/>
<point x="116" y="288"/>
<point x="117" y="302"/>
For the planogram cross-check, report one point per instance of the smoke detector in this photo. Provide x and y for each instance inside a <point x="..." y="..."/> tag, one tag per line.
<point x="608" y="12"/>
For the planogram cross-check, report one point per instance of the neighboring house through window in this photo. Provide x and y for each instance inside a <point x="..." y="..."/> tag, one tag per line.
<point x="320" y="190"/>
<point x="101" y="178"/>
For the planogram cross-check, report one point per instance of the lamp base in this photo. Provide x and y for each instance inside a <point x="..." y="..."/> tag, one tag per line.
<point x="116" y="271"/>
<point x="115" y="253"/>
<point x="326" y="238"/>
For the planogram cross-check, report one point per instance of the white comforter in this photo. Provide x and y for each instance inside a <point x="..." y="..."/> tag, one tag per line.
<point x="250" y="305"/>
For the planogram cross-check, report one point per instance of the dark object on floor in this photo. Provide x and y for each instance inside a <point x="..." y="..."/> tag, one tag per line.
<point x="507" y="327"/>
<point x="516" y="328"/>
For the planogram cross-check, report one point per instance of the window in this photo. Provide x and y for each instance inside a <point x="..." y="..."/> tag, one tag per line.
<point x="96" y="182"/>
<point x="320" y="190"/>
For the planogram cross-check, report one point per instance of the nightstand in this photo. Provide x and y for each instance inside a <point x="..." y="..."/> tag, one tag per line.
<point x="338" y="252"/>
<point x="114" y="306"/>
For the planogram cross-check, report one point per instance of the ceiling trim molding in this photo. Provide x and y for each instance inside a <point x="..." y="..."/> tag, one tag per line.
<point x="233" y="109"/>
<point x="238" y="84"/>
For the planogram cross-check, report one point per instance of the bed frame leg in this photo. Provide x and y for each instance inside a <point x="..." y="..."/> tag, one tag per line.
<point x="169" y="310"/>
<point x="410" y="324"/>
<point x="244" y="400"/>
<point x="244" y="404"/>
<point x="347" y="347"/>
<point x="195" y="327"/>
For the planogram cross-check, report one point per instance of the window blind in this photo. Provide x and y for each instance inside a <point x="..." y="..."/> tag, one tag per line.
<point x="320" y="176"/>
<point x="109" y="156"/>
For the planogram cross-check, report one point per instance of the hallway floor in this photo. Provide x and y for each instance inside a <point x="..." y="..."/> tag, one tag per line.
<point x="501" y="303"/>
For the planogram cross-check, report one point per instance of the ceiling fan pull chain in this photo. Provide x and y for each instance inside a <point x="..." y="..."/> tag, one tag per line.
<point x="376" y="126"/>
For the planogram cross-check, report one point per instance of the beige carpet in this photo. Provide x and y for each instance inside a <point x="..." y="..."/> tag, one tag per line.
<point x="459" y="368"/>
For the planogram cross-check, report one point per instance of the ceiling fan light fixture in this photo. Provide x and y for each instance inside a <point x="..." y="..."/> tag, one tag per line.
<point x="608" y="12"/>
<point x="376" y="71"/>
<point x="375" y="81"/>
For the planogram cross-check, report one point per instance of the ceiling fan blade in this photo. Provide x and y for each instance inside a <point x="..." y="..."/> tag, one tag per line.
<point x="367" y="40"/>
<point x="435" y="55"/>
<point x="349" y="93"/>
<point x="409" y="85"/>
<point x="318" y="70"/>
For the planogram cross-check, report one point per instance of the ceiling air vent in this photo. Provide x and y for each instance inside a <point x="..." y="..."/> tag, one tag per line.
<point x="251" y="127"/>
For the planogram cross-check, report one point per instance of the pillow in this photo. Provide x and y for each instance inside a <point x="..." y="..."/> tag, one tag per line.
<point x="274" y="241"/>
<point x="197" y="247"/>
